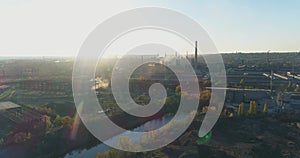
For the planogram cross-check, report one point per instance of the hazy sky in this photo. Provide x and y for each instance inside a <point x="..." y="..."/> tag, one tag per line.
<point x="58" y="27"/>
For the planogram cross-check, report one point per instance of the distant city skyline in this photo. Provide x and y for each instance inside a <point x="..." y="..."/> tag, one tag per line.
<point x="58" y="28"/>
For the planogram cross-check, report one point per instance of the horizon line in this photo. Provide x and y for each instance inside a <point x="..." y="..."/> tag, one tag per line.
<point x="221" y="52"/>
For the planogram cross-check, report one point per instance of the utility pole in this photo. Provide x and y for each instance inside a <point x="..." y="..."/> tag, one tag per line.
<point x="271" y="72"/>
<point x="293" y="68"/>
<point x="196" y="55"/>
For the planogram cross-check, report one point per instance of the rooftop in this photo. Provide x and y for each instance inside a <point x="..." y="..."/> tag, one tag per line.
<point x="4" y="86"/>
<point x="8" y="105"/>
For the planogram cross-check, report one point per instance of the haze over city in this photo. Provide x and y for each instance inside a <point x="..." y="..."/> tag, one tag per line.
<point x="58" y="28"/>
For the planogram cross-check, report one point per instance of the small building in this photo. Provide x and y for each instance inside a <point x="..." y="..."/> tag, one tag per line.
<point x="3" y="88"/>
<point x="241" y="95"/>
<point x="295" y="100"/>
<point x="17" y="113"/>
<point x="10" y="111"/>
<point x="8" y="105"/>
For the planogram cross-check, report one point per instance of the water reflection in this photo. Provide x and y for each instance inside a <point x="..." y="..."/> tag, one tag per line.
<point x="92" y="152"/>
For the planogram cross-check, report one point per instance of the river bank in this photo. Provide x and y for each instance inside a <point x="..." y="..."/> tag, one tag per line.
<point x="92" y="152"/>
<point x="59" y="147"/>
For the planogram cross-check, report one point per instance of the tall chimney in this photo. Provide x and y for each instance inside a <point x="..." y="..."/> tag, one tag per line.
<point x="196" y="55"/>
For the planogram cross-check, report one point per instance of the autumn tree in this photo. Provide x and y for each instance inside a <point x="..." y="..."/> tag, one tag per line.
<point x="46" y="119"/>
<point x="224" y="113"/>
<point x="125" y="143"/>
<point x="204" y="97"/>
<point x="265" y="108"/>
<point x="204" y="109"/>
<point x="241" y="109"/>
<point x="242" y="82"/>
<point x="252" y="108"/>
<point x="142" y="78"/>
<point x="178" y="89"/>
<point x="206" y="83"/>
<point x="63" y="121"/>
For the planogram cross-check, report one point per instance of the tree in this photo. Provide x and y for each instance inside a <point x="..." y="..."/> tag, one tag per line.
<point x="242" y="82"/>
<point x="265" y="108"/>
<point x="297" y="89"/>
<point x="1" y="141"/>
<point x="205" y="95"/>
<point x="178" y="89"/>
<point x="46" y="119"/>
<point x="204" y="109"/>
<point x="252" y="108"/>
<point x="241" y="109"/>
<point x="67" y="121"/>
<point x="224" y="113"/>
<point x="21" y="137"/>
<point x="124" y="142"/>
<point x="172" y="103"/>
<point x="63" y="121"/>
<point x="57" y="121"/>
<point x="206" y="83"/>
<point x="142" y="78"/>
<point x="289" y="87"/>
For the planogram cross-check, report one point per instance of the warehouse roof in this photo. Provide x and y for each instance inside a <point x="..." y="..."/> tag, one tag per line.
<point x="8" y="105"/>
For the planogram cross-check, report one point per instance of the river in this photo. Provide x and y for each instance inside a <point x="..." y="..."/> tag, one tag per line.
<point x="92" y="152"/>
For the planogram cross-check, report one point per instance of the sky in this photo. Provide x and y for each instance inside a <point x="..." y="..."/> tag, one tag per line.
<point x="58" y="27"/>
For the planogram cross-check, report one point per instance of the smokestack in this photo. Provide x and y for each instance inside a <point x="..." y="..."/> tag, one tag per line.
<point x="142" y="59"/>
<point x="196" y="55"/>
